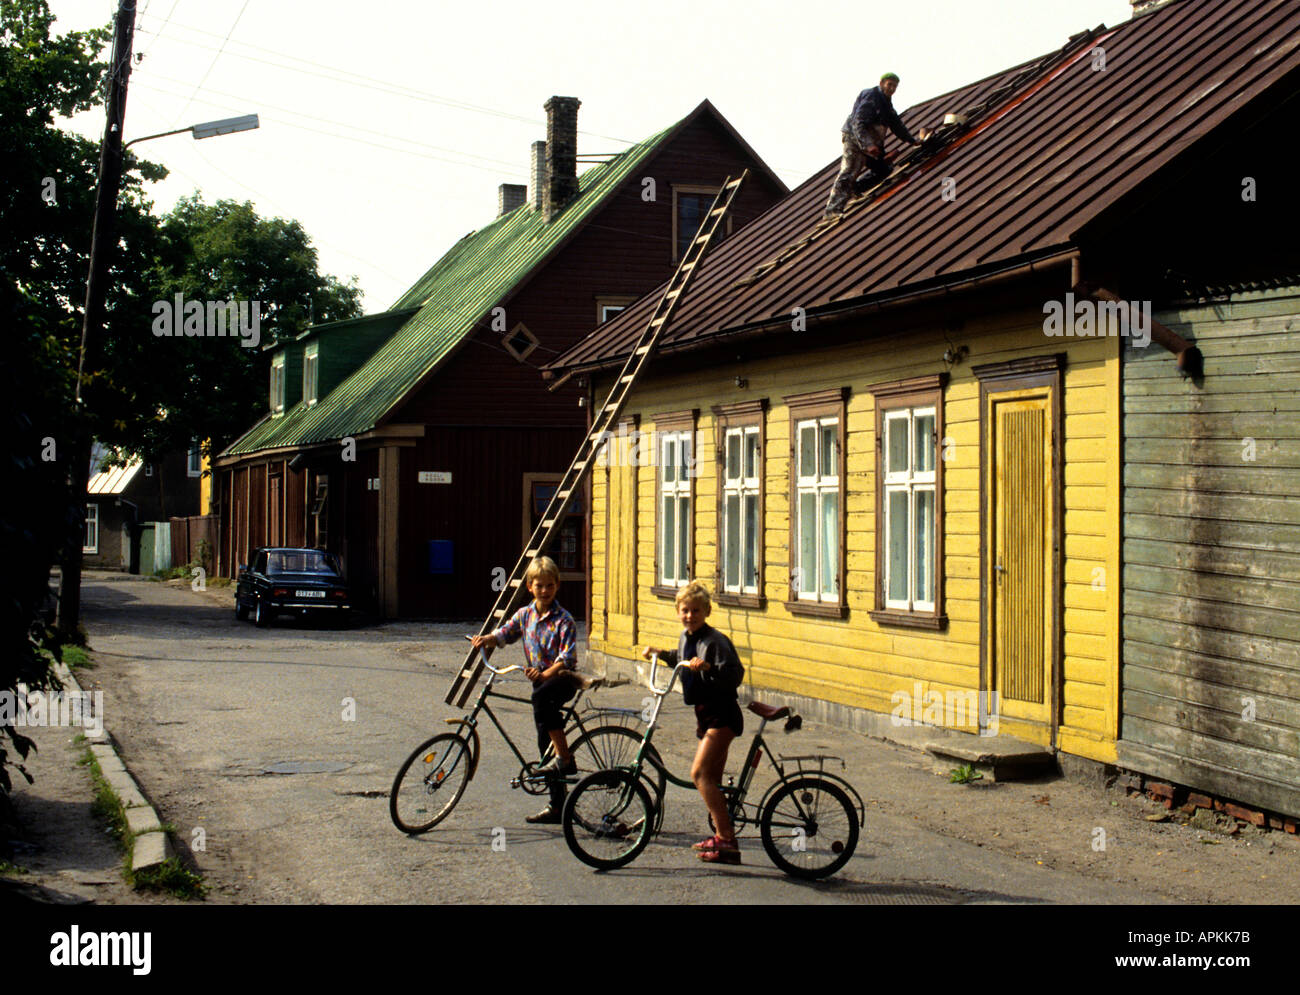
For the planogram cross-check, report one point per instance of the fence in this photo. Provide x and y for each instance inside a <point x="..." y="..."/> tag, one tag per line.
<point x="187" y="533"/>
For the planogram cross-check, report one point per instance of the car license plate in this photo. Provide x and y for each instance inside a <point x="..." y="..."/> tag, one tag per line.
<point x="309" y="594"/>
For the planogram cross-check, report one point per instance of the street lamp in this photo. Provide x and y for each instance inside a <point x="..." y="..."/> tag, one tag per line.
<point x="209" y="129"/>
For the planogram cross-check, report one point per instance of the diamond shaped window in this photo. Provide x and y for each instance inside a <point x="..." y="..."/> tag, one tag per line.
<point x="520" y="342"/>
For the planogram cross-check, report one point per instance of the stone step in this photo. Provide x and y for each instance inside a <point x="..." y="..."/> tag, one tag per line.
<point x="998" y="758"/>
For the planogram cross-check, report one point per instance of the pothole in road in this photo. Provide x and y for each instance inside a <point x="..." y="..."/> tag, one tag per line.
<point x="306" y="767"/>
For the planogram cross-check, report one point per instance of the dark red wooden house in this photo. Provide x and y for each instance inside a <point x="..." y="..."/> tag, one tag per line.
<point x="419" y="443"/>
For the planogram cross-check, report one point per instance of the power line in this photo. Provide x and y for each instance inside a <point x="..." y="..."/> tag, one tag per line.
<point x="345" y="137"/>
<point x="161" y="27"/>
<point x="370" y="82"/>
<point x="351" y="127"/>
<point x="212" y="65"/>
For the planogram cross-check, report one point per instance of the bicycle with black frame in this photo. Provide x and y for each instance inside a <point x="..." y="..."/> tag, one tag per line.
<point x="433" y="778"/>
<point x="808" y="820"/>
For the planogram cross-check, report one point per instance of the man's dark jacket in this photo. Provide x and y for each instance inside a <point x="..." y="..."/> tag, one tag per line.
<point x="873" y="106"/>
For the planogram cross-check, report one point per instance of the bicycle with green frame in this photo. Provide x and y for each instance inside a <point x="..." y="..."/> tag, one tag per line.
<point x="435" y="775"/>
<point x="808" y="820"/>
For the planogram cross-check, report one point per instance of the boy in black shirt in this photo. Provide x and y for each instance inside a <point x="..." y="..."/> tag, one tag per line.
<point x="710" y="685"/>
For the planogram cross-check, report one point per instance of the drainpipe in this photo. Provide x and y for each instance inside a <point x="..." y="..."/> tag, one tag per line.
<point x="1190" y="361"/>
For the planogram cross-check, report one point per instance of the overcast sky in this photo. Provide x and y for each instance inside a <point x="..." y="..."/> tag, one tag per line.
<point x="387" y="125"/>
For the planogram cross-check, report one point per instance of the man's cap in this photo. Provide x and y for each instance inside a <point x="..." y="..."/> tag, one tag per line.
<point x="893" y="76"/>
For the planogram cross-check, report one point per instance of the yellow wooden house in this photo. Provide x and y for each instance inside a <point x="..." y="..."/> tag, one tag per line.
<point x="890" y="443"/>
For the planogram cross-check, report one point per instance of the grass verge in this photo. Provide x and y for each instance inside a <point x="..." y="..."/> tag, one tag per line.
<point x="169" y="876"/>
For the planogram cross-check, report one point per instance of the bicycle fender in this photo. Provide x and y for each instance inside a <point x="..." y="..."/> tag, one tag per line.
<point x="474" y="743"/>
<point x="849" y="790"/>
<point x="835" y="779"/>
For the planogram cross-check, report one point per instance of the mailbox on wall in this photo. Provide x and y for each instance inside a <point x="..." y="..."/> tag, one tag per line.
<point x="440" y="556"/>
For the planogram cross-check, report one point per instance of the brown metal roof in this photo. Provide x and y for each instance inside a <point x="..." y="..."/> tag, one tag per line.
<point x="1053" y="144"/>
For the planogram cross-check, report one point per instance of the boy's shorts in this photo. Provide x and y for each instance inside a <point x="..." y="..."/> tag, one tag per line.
<point x="718" y="716"/>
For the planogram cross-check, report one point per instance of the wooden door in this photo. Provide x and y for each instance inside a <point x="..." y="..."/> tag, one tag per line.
<point x="275" y="510"/>
<point x="1020" y="549"/>
<point x="621" y="454"/>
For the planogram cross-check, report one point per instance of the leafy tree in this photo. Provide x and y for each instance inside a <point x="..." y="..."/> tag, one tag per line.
<point x="46" y="207"/>
<point x="216" y="387"/>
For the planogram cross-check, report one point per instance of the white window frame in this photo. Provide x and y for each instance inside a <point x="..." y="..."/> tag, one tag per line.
<point x="824" y="480"/>
<point x="737" y="487"/>
<point x="675" y="474"/>
<point x="92" y="528"/>
<point x="910" y="481"/>
<point x="194" y="460"/>
<point x="277" y="384"/>
<point x="310" y="373"/>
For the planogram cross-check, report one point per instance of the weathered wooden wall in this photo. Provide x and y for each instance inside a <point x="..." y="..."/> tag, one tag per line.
<point x="1211" y="628"/>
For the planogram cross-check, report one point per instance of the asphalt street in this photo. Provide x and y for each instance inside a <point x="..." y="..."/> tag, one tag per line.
<point x="272" y="751"/>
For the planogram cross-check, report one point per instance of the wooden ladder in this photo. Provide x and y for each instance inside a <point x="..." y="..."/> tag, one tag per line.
<point x="513" y="594"/>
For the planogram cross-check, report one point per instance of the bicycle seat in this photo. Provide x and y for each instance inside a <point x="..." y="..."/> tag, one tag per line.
<point x="770" y="712"/>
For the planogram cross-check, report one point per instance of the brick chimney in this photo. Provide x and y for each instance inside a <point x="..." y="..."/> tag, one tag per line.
<point x="537" y="176"/>
<point x="561" y="155"/>
<point x="510" y="196"/>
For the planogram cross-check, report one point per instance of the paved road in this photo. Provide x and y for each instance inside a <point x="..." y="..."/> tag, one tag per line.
<point x="205" y="707"/>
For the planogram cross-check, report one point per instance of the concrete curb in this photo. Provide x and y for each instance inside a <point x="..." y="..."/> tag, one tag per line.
<point x="149" y="845"/>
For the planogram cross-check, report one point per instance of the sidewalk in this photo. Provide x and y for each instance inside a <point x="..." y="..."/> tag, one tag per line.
<point x="69" y="858"/>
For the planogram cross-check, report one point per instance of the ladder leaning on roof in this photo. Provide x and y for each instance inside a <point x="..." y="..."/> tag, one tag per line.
<point x="514" y="593"/>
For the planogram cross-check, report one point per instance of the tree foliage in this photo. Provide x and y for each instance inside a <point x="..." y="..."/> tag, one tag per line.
<point x="217" y="387"/>
<point x="150" y="395"/>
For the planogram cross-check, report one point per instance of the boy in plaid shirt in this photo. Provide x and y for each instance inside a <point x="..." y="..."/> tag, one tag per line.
<point x="550" y="650"/>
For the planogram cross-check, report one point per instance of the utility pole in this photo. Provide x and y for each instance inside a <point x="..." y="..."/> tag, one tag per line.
<point x="102" y="242"/>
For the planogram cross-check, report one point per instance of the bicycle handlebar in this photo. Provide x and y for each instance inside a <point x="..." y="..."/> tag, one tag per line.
<point x="499" y="672"/>
<point x="654" y="669"/>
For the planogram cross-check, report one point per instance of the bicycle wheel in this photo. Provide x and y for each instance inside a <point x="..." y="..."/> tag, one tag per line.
<point x="608" y="819"/>
<point x="608" y="747"/>
<point x="429" y="784"/>
<point x="809" y="827"/>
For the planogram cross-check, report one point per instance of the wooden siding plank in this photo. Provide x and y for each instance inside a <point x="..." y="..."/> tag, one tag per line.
<point x="1277" y="711"/>
<point x="1211" y="508"/>
<point x="1257" y="622"/>
<point x="1275" y="676"/>
<point x="1228" y="591"/>
<point x="1213" y="735"/>
<point x="1214" y="559"/>
<point x="1247" y="646"/>
<point x="1214" y="452"/>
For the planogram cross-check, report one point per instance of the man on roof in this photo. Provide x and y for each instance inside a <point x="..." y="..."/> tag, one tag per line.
<point x="863" y="137"/>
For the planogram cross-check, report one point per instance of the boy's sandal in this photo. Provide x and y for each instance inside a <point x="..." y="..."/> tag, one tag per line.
<point x="715" y="844"/>
<point x="720" y="856"/>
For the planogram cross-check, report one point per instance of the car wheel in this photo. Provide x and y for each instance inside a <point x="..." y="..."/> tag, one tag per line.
<point x="261" y="615"/>
<point x="241" y="609"/>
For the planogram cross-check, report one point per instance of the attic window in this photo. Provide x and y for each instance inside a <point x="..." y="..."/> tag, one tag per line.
<point x="690" y="210"/>
<point x="277" y="384"/>
<point x="608" y="305"/>
<point x="310" y="365"/>
<point x="520" y="342"/>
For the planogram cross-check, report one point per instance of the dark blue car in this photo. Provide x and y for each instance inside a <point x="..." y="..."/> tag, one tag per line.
<point x="285" y="579"/>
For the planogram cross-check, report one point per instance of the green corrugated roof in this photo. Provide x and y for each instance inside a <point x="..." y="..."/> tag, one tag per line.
<point x="478" y="273"/>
